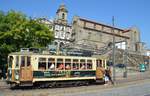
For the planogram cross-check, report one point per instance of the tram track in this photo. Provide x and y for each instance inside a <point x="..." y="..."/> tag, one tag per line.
<point x="68" y="90"/>
<point x="57" y="90"/>
<point x="119" y="80"/>
<point x="26" y="88"/>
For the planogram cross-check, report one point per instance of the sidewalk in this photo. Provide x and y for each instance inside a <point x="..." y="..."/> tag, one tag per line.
<point x="3" y="84"/>
<point x="133" y="76"/>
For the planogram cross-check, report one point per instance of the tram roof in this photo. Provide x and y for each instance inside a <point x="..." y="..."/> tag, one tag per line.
<point x="44" y="54"/>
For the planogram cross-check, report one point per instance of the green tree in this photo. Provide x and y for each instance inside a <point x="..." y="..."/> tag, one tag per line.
<point x="18" y="31"/>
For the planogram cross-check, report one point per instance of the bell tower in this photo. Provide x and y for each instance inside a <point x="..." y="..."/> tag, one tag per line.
<point x="61" y="14"/>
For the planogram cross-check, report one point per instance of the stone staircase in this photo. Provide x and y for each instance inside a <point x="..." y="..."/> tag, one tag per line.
<point x="133" y="59"/>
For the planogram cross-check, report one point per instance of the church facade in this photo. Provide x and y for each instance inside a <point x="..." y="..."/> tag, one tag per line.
<point x="61" y="27"/>
<point x="99" y="35"/>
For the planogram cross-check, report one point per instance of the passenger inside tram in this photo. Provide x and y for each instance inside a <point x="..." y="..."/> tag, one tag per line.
<point x="52" y="66"/>
<point x="68" y="67"/>
<point x="61" y="66"/>
<point x="75" y="66"/>
<point x="82" y="66"/>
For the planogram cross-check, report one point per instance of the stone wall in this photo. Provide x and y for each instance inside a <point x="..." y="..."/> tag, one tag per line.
<point x="99" y="34"/>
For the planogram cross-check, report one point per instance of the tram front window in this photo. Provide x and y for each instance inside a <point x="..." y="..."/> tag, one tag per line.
<point x="28" y="61"/>
<point x="17" y="61"/>
<point x="22" y="61"/>
<point x="10" y="61"/>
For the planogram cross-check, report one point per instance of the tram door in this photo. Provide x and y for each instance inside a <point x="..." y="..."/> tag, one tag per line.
<point x="26" y="73"/>
<point x="99" y="69"/>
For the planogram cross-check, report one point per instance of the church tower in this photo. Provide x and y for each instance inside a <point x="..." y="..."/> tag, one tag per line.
<point x="61" y="15"/>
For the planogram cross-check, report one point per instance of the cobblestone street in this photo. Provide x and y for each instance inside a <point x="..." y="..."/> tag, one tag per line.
<point x="134" y="83"/>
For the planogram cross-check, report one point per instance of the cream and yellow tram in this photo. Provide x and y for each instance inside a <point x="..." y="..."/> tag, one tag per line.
<point x="47" y="70"/>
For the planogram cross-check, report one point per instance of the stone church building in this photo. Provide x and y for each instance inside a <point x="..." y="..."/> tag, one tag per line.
<point x="92" y="35"/>
<point x="99" y="35"/>
<point x="95" y="37"/>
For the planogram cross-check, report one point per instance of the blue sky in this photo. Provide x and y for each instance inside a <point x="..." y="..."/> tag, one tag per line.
<point x="127" y="13"/>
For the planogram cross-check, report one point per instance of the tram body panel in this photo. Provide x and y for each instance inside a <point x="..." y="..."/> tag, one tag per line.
<point x="26" y="68"/>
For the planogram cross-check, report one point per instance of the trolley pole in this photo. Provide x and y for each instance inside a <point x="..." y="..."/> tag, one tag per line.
<point x="58" y="47"/>
<point x="113" y="55"/>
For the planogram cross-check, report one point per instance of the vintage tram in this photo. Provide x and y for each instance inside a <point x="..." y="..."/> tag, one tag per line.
<point x="45" y="70"/>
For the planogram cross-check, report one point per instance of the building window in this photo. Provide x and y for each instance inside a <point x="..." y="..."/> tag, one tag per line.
<point x="67" y="36"/>
<point x="55" y="43"/>
<point x="56" y="27"/>
<point x="61" y="44"/>
<point x="63" y="16"/>
<point x="57" y="34"/>
<point x="62" y="29"/>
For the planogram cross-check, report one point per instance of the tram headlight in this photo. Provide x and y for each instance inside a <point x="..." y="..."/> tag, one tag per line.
<point x="17" y="75"/>
<point x="9" y="74"/>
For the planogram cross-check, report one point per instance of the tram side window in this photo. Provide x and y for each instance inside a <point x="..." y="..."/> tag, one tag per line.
<point x="17" y="61"/>
<point x="22" y="61"/>
<point x="75" y="64"/>
<point x="104" y="63"/>
<point x="42" y="64"/>
<point x="51" y="63"/>
<point x="10" y="61"/>
<point x="68" y="64"/>
<point x="99" y="63"/>
<point x="89" y="64"/>
<point x="60" y="64"/>
<point x="82" y="64"/>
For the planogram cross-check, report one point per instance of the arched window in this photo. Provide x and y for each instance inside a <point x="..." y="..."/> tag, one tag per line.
<point x="61" y="44"/>
<point x="63" y="16"/>
<point x="55" y="43"/>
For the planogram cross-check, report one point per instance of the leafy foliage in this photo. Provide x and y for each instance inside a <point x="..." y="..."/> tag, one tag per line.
<point x="18" y="31"/>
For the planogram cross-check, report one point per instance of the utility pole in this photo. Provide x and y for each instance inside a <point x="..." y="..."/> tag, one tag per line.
<point x="125" y="59"/>
<point x="113" y="55"/>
